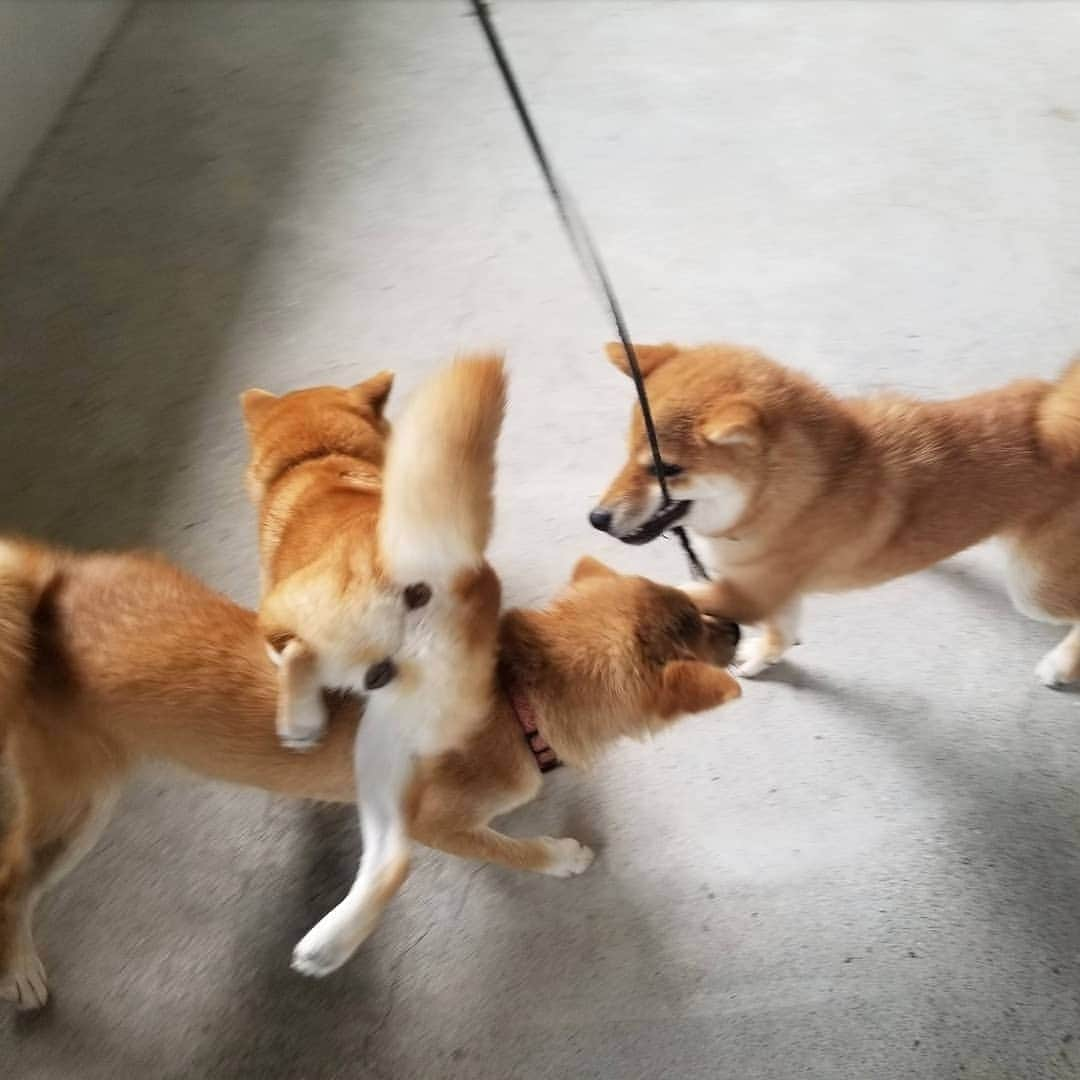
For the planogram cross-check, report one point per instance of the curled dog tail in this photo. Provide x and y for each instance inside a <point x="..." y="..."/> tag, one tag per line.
<point x="1059" y="417"/>
<point x="438" y="484"/>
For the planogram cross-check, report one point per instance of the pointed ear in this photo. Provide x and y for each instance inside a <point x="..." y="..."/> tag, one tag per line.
<point x="277" y="641"/>
<point x="374" y="392"/>
<point x="690" y="686"/>
<point x="734" y="424"/>
<point x="254" y="404"/>
<point x="649" y="357"/>
<point x="588" y="567"/>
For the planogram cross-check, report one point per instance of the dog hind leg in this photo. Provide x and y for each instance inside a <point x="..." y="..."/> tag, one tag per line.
<point x="1061" y="665"/>
<point x="22" y="974"/>
<point x="1044" y="583"/>
<point x="384" y="768"/>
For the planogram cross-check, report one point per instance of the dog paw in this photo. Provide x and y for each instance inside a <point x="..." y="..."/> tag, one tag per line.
<point x="316" y="963"/>
<point x="568" y="858"/>
<point x="25" y="985"/>
<point x="322" y="950"/>
<point x="1052" y="672"/>
<point x="301" y="728"/>
<point x="300" y="743"/>
<point x="752" y="658"/>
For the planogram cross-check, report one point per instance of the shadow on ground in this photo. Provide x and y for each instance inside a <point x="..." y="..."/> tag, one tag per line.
<point x="125" y="256"/>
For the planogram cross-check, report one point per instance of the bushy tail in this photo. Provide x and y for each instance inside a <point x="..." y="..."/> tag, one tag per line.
<point x="438" y="497"/>
<point x="1059" y="417"/>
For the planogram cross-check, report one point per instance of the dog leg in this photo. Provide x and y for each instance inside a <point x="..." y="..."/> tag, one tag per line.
<point x="776" y="636"/>
<point x="723" y="599"/>
<point x="24" y="981"/>
<point x="1043" y="578"/>
<point x="777" y="632"/>
<point x="301" y="716"/>
<point x="384" y="764"/>
<point x="15" y="883"/>
<point x="556" y="856"/>
<point x="1061" y="665"/>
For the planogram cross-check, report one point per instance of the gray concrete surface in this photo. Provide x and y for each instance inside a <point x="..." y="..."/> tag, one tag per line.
<point x="866" y="869"/>
<point x="46" y="48"/>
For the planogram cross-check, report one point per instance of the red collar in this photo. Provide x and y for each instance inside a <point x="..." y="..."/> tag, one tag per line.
<point x="522" y="708"/>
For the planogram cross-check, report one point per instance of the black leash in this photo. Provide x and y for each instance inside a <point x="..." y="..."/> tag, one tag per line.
<point x="591" y="264"/>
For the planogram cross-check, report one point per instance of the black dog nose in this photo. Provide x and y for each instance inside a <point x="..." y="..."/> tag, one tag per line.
<point x="379" y="674"/>
<point x="600" y="519"/>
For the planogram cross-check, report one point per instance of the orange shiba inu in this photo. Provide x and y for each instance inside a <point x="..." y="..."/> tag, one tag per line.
<point x="378" y="584"/>
<point x="316" y="476"/>
<point x="797" y="491"/>
<point x="110" y="659"/>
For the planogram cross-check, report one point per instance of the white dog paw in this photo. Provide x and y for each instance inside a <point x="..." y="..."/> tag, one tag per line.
<point x="323" y="950"/>
<point x="1051" y="671"/>
<point x="568" y="858"/>
<point x="301" y="728"/>
<point x="752" y="658"/>
<point x="301" y="743"/>
<point x="25" y="984"/>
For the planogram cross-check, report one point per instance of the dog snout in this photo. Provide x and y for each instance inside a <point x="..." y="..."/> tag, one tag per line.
<point x="600" y="518"/>
<point x="725" y="635"/>
<point x="378" y="675"/>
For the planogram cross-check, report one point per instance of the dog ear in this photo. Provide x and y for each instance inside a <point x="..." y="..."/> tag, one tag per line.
<point x="649" y="357"/>
<point x="254" y="404"/>
<point x="374" y="392"/>
<point x="277" y="641"/>
<point x="588" y="567"/>
<point x="690" y="686"/>
<point x="735" y="424"/>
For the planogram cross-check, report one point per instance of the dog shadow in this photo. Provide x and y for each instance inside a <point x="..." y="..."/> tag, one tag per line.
<point x="985" y="590"/>
<point x="991" y="601"/>
<point x="1011" y="823"/>
<point x="459" y="932"/>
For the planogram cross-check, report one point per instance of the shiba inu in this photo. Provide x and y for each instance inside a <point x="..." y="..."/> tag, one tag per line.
<point x="107" y="660"/>
<point x="316" y="476"/>
<point x="110" y="659"/>
<point x="375" y="582"/>
<point x="797" y="491"/>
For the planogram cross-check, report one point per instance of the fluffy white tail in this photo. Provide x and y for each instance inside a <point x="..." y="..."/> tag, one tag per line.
<point x="438" y="497"/>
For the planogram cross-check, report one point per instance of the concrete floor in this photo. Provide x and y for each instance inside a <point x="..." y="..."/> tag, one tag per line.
<point x="867" y="869"/>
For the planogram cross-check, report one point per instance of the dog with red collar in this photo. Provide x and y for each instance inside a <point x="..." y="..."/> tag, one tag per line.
<point x="183" y="676"/>
<point x="109" y="659"/>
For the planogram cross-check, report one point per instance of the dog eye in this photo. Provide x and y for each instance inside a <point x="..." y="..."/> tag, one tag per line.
<point x="669" y="469"/>
<point x="417" y="595"/>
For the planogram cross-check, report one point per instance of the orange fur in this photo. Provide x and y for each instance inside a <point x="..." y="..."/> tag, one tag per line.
<point x="1059" y="417"/>
<point x="134" y="659"/>
<point x="373" y="581"/>
<point x="316" y="475"/>
<point x="797" y="491"/>
<point x="440" y="470"/>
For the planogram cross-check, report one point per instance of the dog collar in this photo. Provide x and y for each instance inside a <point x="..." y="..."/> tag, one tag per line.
<point x="521" y="707"/>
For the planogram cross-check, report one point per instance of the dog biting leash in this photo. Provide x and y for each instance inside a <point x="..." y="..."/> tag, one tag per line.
<point x="591" y="264"/>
